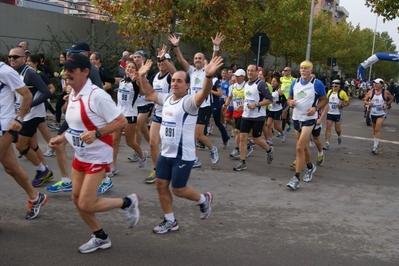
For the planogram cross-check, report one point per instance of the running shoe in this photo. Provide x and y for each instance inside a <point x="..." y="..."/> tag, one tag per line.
<point x="309" y="174"/>
<point x="166" y="226"/>
<point x="293" y="164"/>
<point x="249" y="150"/>
<point x="235" y="154"/>
<point x="197" y="163"/>
<point x="151" y="178"/>
<point x="60" y="186"/>
<point x="114" y="171"/>
<point x="294" y="183"/>
<point x="270" y="155"/>
<point x="284" y="137"/>
<point x="105" y="186"/>
<point x="34" y="206"/>
<point x="209" y="128"/>
<point x="311" y="142"/>
<point x="339" y="140"/>
<point x="42" y="177"/>
<point x="232" y="134"/>
<point x="320" y="159"/>
<point x="199" y="145"/>
<point x="240" y="166"/>
<point x="326" y="146"/>
<point x="226" y="143"/>
<point x="214" y="155"/>
<point x="54" y="126"/>
<point x="251" y="143"/>
<point x="134" y="158"/>
<point x="49" y="153"/>
<point x="288" y="128"/>
<point x="279" y="135"/>
<point x="132" y="212"/>
<point x="95" y="243"/>
<point x="269" y="142"/>
<point x="205" y="207"/>
<point x="143" y="160"/>
<point x="374" y="150"/>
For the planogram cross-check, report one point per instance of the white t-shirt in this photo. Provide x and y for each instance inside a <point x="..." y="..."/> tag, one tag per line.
<point x="9" y="82"/>
<point x="91" y="109"/>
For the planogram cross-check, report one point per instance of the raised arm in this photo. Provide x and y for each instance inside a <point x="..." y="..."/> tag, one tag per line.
<point x="161" y="56"/>
<point x="145" y="86"/>
<point x="216" y="43"/>
<point x="210" y="71"/>
<point x="175" y="43"/>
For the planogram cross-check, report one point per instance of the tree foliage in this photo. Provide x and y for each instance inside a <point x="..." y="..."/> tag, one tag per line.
<point x="146" y="23"/>
<point x="389" y="9"/>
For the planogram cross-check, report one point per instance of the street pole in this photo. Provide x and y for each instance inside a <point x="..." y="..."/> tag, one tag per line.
<point x="310" y="32"/>
<point x="258" y="55"/>
<point x="372" y="50"/>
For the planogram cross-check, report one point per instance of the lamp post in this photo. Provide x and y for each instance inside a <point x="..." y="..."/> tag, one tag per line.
<point x="372" y="50"/>
<point x="310" y="32"/>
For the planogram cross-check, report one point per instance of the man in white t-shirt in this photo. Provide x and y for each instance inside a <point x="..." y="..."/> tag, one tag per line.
<point x="92" y="116"/>
<point x="179" y="115"/>
<point x="197" y="77"/>
<point x="307" y="95"/>
<point x="10" y="125"/>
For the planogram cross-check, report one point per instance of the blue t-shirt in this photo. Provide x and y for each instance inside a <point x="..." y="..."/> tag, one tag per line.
<point x="225" y="89"/>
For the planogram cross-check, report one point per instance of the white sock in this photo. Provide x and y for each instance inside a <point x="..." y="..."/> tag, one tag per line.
<point x="376" y="142"/>
<point x="41" y="167"/>
<point x="106" y="179"/>
<point x="202" y="199"/>
<point x="320" y="153"/>
<point x="35" y="199"/>
<point x="66" y="179"/>
<point x="170" y="217"/>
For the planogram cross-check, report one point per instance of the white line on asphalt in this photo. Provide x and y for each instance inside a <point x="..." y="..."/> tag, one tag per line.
<point x="381" y="140"/>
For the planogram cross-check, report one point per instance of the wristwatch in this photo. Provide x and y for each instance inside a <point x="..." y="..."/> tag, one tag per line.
<point x="98" y="134"/>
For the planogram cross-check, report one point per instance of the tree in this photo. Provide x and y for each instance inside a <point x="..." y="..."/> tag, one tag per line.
<point x="147" y="22"/>
<point x="389" y="9"/>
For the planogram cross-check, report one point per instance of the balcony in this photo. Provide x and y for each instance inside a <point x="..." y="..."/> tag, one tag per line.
<point x="342" y="11"/>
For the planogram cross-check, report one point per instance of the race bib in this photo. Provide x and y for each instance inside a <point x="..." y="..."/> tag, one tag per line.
<point x="169" y="132"/>
<point x="124" y="97"/>
<point x="72" y="136"/>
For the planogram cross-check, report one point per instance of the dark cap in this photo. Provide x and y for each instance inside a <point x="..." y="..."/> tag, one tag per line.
<point x="142" y="53"/>
<point x="77" y="61"/>
<point x="79" y="47"/>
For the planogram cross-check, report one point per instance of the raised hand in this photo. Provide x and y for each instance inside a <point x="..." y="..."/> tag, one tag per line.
<point x="212" y="67"/>
<point x="218" y="39"/>
<point x="162" y="52"/>
<point x="145" y="68"/>
<point x="173" y="39"/>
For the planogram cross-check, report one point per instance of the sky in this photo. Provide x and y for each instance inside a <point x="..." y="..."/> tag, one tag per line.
<point x="362" y="15"/>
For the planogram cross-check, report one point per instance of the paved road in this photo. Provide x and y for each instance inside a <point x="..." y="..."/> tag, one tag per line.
<point x="348" y="214"/>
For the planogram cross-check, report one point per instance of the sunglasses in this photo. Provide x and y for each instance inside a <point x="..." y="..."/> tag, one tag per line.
<point x="15" y="57"/>
<point x="334" y="86"/>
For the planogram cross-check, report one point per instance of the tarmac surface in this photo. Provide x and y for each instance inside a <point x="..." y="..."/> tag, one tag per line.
<point x="347" y="215"/>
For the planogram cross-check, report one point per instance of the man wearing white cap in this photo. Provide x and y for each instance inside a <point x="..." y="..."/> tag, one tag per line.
<point x="236" y="95"/>
<point x="337" y="99"/>
<point x="378" y="99"/>
<point x="161" y="84"/>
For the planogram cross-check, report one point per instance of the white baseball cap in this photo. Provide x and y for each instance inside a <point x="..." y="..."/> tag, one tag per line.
<point x="239" y="72"/>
